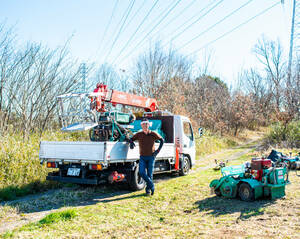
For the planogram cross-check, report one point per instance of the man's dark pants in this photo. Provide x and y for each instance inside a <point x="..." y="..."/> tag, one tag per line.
<point x="147" y="163"/>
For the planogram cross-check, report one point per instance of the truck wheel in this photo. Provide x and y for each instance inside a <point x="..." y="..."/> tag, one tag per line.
<point x="136" y="182"/>
<point x="185" y="166"/>
<point x="246" y="192"/>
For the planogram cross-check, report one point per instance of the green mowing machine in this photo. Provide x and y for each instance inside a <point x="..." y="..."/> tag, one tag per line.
<point x="259" y="179"/>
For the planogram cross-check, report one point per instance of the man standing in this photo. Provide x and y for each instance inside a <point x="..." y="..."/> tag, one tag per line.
<point x="146" y="139"/>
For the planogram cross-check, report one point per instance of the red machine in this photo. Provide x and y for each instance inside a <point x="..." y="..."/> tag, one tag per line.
<point x="118" y="97"/>
<point x="257" y="166"/>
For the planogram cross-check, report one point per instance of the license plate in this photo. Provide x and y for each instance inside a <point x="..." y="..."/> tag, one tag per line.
<point x="73" y="171"/>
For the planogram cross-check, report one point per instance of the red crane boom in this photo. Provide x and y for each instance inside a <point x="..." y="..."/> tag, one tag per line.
<point x="117" y="97"/>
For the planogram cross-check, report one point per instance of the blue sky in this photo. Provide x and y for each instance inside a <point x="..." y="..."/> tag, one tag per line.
<point x="52" y="22"/>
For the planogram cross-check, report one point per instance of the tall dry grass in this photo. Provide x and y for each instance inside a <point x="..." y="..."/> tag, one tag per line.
<point x="210" y="143"/>
<point x="20" y="170"/>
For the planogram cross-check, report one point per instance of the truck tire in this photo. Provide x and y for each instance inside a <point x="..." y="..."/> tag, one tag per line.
<point x="136" y="182"/>
<point x="246" y="192"/>
<point x="185" y="166"/>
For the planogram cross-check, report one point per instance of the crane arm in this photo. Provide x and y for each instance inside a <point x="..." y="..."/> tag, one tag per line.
<point x="118" y="97"/>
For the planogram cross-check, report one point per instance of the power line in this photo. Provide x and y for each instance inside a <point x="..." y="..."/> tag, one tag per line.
<point x="137" y="11"/>
<point x="211" y="27"/>
<point x="156" y="19"/>
<point x="106" y="28"/>
<point x="198" y="19"/>
<point x="130" y="8"/>
<point x="240" y="25"/>
<point x="164" y="16"/>
<point x="136" y="30"/>
<point x="195" y="15"/>
<point x="188" y="6"/>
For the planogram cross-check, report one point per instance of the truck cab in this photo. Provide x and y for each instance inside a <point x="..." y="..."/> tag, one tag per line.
<point x="185" y="137"/>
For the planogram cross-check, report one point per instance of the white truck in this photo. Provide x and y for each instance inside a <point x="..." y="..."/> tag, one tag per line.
<point x="99" y="161"/>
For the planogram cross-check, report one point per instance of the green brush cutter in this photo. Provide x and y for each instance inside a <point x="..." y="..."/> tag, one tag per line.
<point x="250" y="181"/>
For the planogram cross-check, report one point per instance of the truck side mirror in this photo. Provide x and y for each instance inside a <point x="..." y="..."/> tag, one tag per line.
<point x="200" y="132"/>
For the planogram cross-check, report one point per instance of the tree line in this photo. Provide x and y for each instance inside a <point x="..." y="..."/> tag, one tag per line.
<point x="32" y="75"/>
<point x="261" y="97"/>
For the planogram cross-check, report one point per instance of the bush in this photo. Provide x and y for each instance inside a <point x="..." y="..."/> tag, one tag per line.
<point x="285" y="135"/>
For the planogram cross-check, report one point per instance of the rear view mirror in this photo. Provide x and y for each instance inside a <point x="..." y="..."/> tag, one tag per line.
<point x="200" y="132"/>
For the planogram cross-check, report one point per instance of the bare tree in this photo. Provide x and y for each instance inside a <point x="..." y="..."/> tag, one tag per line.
<point x="207" y="101"/>
<point x="37" y="76"/>
<point x="256" y="87"/>
<point x="156" y="67"/>
<point x="270" y="54"/>
<point x="6" y="68"/>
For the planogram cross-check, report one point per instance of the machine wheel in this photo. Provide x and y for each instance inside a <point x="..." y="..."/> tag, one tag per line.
<point x="246" y="192"/>
<point x="218" y="192"/>
<point x="292" y="165"/>
<point x="185" y="167"/>
<point x="136" y="182"/>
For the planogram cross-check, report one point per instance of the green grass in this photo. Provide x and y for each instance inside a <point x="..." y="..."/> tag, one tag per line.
<point x="57" y="217"/>
<point x="52" y="218"/>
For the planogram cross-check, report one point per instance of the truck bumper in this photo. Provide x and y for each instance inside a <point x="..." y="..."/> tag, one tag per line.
<point x="75" y="180"/>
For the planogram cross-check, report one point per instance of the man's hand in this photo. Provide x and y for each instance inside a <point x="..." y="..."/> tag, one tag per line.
<point x="161" y="142"/>
<point x="155" y="153"/>
<point x="131" y="144"/>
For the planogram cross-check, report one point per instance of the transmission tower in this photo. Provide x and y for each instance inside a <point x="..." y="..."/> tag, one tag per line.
<point x="83" y="76"/>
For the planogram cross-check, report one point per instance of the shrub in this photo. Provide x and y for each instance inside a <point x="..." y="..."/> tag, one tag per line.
<point x="285" y="135"/>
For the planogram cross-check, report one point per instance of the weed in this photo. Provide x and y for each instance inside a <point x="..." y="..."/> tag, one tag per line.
<point x="8" y="235"/>
<point x="58" y="216"/>
<point x="50" y="219"/>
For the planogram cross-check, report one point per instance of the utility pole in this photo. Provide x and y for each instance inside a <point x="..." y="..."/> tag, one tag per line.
<point x="295" y="34"/>
<point x="294" y="46"/>
<point x="83" y="76"/>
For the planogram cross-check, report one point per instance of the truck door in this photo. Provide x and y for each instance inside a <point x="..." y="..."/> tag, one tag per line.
<point x="188" y="140"/>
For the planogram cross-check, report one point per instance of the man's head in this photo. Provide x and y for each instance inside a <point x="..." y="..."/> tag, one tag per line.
<point x="145" y="125"/>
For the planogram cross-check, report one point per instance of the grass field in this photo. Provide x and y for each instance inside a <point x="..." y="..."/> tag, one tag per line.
<point x="182" y="207"/>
